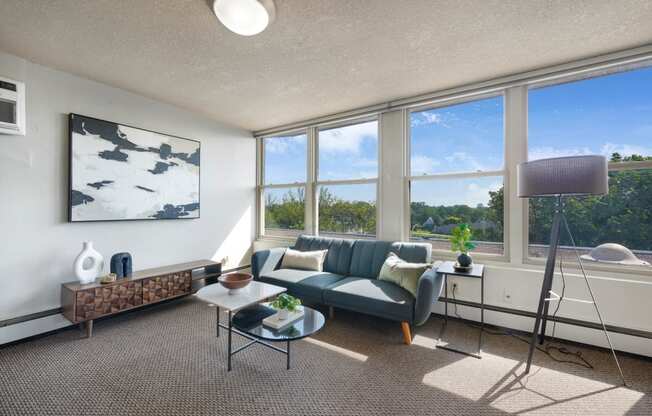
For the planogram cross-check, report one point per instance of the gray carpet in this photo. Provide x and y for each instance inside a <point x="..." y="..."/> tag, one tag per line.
<point x="167" y="361"/>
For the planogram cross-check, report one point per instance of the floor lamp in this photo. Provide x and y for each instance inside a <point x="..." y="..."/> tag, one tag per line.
<point x="561" y="177"/>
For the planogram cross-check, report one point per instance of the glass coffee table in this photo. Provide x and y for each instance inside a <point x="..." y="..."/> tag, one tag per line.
<point x="245" y="314"/>
<point x="249" y="323"/>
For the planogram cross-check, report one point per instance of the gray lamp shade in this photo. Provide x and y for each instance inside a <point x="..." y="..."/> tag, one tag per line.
<point x="572" y="175"/>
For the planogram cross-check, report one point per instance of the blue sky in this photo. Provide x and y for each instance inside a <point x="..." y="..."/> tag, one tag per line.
<point x="461" y="138"/>
<point x="466" y="137"/>
<point x="285" y="159"/>
<point x="596" y="116"/>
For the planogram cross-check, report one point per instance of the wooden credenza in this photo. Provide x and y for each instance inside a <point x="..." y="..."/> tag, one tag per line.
<point x="84" y="303"/>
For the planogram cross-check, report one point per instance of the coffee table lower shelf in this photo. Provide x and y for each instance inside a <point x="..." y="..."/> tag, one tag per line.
<point x="253" y="340"/>
<point x="310" y="323"/>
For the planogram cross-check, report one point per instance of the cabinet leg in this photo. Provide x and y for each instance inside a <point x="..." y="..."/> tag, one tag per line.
<point x="86" y="328"/>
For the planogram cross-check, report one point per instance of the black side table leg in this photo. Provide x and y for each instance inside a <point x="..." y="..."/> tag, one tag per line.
<point x="230" y="332"/>
<point x="446" y="298"/>
<point x="217" y="325"/>
<point x="481" y="314"/>
<point x="288" y="355"/>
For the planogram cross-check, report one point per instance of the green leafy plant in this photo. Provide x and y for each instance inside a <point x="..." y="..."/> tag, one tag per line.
<point x="285" y="301"/>
<point x="461" y="239"/>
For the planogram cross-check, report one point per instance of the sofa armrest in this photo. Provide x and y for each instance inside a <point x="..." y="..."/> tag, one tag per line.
<point x="266" y="260"/>
<point x="429" y="288"/>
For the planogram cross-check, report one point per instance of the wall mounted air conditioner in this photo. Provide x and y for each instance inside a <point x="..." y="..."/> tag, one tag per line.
<point x="12" y="107"/>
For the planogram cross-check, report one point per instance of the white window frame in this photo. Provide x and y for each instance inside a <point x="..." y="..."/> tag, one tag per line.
<point x="612" y="166"/>
<point x="409" y="178"/>
<point x="312" y="184"/>
<point x="261" y="187"/>
<point x="359" y="181"/>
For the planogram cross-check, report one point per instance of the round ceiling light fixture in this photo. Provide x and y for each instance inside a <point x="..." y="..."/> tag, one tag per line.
<point x="245" y="17"/>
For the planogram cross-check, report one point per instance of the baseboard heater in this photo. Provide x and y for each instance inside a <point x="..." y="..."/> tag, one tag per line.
<point x="560" y="319"/>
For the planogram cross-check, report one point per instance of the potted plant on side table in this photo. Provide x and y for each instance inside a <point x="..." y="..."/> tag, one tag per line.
<point x="285" y="304"/>
<point x="461" y="243"/>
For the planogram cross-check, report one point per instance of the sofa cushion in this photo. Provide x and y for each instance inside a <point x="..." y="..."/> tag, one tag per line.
<point x="373" y="297"/>
<point x="402" y="273"/>
<point x="413" y="252"/>
<point x="304" y="260"/>
<point x="306" y="283"/>
<point x="368" y="257"/>
<point x="338" y="258"/>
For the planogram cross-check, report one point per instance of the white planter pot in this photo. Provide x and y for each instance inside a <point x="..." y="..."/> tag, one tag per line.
<point x="89" y="264"/>
<point x="283" y="314"/>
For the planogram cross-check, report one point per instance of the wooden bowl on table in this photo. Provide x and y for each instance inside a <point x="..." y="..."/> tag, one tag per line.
<point x="235" y="281"/>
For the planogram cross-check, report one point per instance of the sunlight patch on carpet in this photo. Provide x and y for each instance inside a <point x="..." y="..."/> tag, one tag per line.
<point x="335" y="348"/>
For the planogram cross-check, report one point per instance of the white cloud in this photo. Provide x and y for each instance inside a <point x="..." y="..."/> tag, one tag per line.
<point x="469" y="192"/>
<point x="625" y="150"/>
<point x="280" y="145"/>
<point x="422" y="164"/>
<point x="479" y="194"/>
<point x="427" y="117"/>
<point x="464" y="162"/>
<point x="545" y="152"/>
<point x="347" y="139"/>
<point x="364" y="162"/>
<point x="607" y="149"/>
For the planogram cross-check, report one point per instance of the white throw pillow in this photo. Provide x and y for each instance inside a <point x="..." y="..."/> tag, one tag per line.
<point x="304" y="260"/>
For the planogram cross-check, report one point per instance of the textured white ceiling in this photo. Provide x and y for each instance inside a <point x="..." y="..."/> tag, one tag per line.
<point x="319" y="56"/>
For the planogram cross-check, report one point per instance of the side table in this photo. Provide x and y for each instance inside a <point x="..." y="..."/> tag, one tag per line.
<point x="477" y="272"/>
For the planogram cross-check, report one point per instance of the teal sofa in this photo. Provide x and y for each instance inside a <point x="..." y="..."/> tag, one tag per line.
<point x="350" y="278"/>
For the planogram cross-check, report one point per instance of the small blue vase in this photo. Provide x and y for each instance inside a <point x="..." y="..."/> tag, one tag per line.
<point x="121" y="265"/>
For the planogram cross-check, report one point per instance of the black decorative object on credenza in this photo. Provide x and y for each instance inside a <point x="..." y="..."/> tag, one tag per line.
<point x="121" y="265"/>
<point x="562" y="177"/>
<point x="119" y="172"/>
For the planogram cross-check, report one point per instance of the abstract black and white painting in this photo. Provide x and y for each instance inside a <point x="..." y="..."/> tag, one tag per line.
<point x="118" y="172"/>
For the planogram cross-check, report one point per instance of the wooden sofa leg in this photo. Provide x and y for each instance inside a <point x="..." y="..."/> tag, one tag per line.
<point x="331" y="312"/>
<point x="407" y="336"/>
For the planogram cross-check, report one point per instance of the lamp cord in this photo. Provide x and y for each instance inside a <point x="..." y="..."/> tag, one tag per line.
<point x="563" y="350"/>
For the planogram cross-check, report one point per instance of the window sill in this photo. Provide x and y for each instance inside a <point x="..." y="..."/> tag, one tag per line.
<point x="480" y="257"/>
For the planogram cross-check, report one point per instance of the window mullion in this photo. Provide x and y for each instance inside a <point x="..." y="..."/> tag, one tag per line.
<point x="311" y="215"/>
<point x="516" y="209"/>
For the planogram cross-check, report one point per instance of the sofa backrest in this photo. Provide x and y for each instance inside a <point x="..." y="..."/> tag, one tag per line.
<point x="338" y="258"/>
<point x="368" y="258"/>
<point x="413" y="252"/>
<point x="362" y="258"/>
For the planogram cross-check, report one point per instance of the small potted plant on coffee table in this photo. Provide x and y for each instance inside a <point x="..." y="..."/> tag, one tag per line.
<point x="285" y="304"/>
<point x="461" y="243"/>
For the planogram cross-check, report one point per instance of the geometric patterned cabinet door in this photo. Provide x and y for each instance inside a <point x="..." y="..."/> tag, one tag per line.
<point x="101" y="301"/>
<point x="82" y="303"/>
<point x="159" y="288"/>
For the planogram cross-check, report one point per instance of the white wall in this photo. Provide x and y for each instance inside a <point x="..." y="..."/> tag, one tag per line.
<point x="38" y="245"/>
<point x="623" y="297"/>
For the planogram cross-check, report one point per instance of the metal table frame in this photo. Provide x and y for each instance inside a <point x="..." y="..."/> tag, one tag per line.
<point x="480" y="276"/>
<point x="252" y="340"/>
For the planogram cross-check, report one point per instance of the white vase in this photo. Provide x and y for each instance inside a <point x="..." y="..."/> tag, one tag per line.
<point x="88" y="264"/>
<point x="282" y="314"/>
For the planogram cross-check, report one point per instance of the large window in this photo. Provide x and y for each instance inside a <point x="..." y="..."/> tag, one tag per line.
<point x="609" y="115"/>
<point x="456" y="165"/>
<point x="284" y="183"/>
<point x="347" y="179"/>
